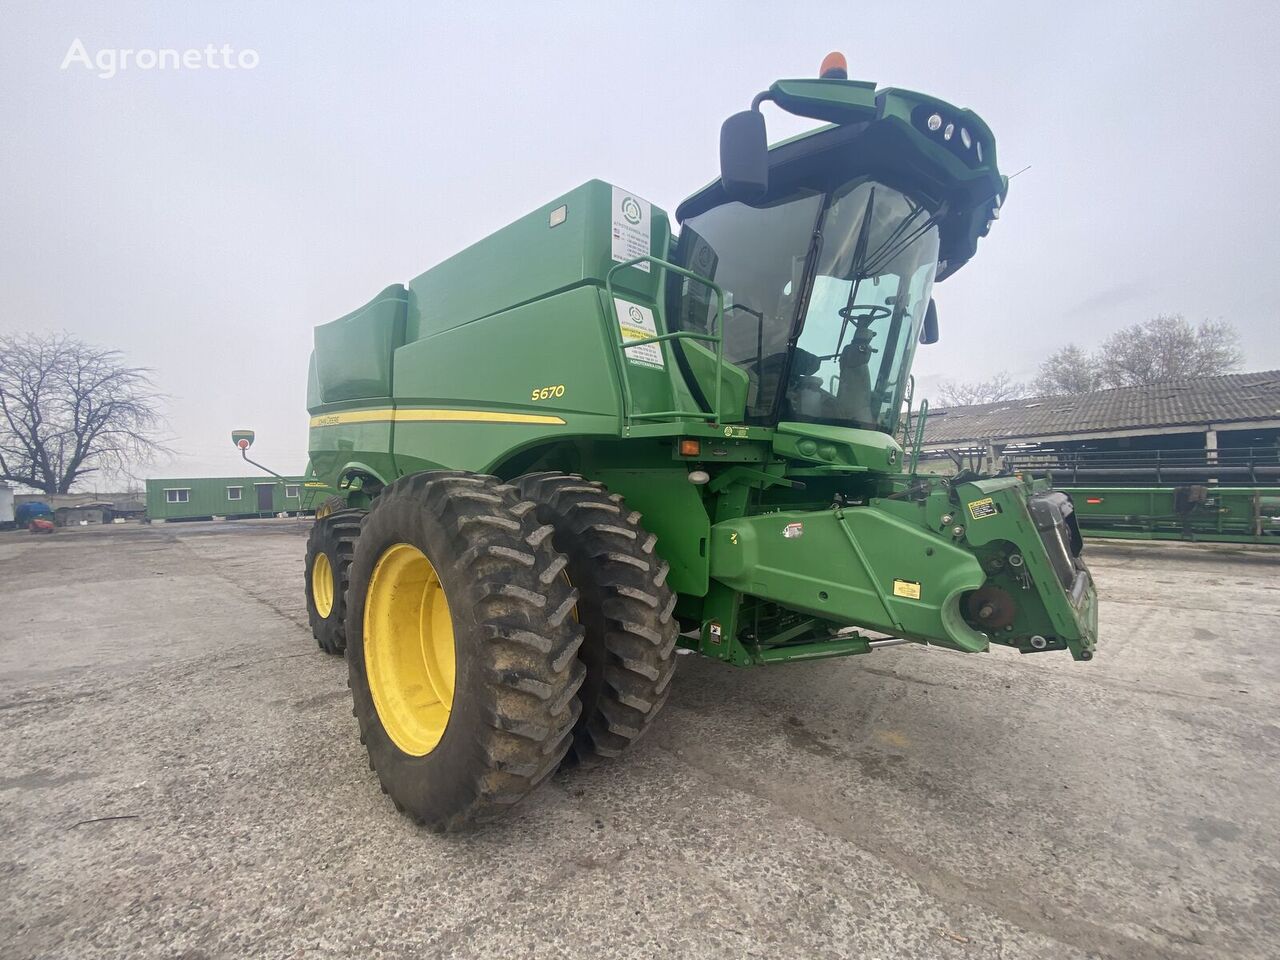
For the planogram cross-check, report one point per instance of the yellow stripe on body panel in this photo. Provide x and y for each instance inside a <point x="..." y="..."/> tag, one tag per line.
<point x="387" y="415"/>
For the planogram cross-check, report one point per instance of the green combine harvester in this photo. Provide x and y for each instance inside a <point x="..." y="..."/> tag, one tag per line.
<point x="584" y="442"/>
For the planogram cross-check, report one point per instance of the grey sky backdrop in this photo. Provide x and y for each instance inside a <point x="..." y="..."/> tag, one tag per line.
<point x="204" y="221"/>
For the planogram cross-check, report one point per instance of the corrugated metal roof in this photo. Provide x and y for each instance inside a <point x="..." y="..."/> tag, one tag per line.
<point x="1199" y="400"/>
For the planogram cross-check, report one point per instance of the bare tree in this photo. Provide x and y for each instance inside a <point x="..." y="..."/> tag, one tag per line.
<point x="68" y="409"/>
<point x="1167" y="347"/>
<point x="1000" y="387"/>
<point x="1069" y="370"/>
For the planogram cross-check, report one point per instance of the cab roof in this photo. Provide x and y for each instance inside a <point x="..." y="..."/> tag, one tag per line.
<point x="944" y="154"/>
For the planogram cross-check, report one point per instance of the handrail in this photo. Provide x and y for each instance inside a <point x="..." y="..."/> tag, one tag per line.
<point x="1235" y="454"/>
<point x="622" y="345"/>
<point x="916" y="447"/>
<point x="1172" y="466"/>
<point x="908" y="398"/>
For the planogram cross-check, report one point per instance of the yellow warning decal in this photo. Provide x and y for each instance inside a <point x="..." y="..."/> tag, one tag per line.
<point x="906" y="588"/>
<point x="981" y="509"/>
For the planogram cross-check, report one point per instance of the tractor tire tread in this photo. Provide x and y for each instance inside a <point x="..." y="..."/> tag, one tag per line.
<point x="526" y="675"/>
<point x="624" y="602"/>
<point x="336" y="534"/>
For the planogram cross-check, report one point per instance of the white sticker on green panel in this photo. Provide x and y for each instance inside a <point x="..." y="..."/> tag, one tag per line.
<point x="631" y="228"/>
<point x="636" y="323"/>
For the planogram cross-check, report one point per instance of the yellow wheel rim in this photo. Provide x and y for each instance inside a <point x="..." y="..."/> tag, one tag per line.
<point x="322" y="584"/>
<point x="323" y="511"/>
<point x="408" y="649"/>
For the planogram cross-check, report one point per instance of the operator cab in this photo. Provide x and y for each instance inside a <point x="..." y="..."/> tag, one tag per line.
<point x="828" y="275"/>
<point x="854" y="265"/>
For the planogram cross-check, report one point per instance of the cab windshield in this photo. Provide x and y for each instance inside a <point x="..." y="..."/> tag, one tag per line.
<point x="824" y="297"/>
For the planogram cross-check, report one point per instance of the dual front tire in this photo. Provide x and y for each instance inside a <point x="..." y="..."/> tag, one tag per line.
<point x="462" y="647"/>
<point x="492" y="630"/>
<point x="624" y="605"/>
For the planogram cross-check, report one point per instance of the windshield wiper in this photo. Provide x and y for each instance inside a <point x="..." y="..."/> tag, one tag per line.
<point x="894" y="244"/>
<point x="859" y="252"/>
<point x="864" y="266"/>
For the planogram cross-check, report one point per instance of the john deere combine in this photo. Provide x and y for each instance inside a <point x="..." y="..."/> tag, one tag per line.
<point x="585" y="441"/>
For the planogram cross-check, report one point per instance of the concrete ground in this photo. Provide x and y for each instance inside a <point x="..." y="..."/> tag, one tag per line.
<point x="180" y="776"/>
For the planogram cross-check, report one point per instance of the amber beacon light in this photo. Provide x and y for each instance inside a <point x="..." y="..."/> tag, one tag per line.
<point x="834" y="67"/>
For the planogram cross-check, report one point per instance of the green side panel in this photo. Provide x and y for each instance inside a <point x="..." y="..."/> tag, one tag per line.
<point x="353" y="354"/>
<point x="734" y="382"/>
<point x="842" y="566"/>
<point x="549" y="358"/>
<point x="339" y="448"/>
<point x="316" y="492"/>
<point x="671" y="508"/>
<point x="477" y="447"/>
<point x="529" y="259"/>
<point x="212" y="497"/>
<point x="313" y="384"/>
<point x="504" y="361"/>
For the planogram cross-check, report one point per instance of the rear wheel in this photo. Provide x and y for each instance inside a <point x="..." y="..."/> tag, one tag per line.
<point x="329" y="550"/>
<point x="625" y="606"/>
<point x="462" y="647"/>
<point x="330" y="505"/>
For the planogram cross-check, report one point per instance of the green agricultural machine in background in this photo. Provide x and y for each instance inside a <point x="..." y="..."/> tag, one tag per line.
<point x="1201" y="512"/>
<point x="585" y="441"/>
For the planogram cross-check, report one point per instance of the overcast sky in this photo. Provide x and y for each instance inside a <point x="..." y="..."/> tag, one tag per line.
<point x="203" y="221"/>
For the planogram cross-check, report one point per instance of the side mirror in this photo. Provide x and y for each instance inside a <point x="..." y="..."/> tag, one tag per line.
<point x="929" y="329"/>
<point x="744" y="156"/>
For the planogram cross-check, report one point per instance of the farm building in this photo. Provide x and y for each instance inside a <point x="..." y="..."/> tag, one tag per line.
<point x="197" y="498"/>
<point x="1192" y="459"/>
<point x="1222" y="429"/>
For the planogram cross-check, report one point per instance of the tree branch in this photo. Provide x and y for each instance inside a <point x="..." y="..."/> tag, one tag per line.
<point x="68" y="409"/>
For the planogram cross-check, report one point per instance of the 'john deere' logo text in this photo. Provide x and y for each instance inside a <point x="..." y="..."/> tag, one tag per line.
<point x="630" y="210"/>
